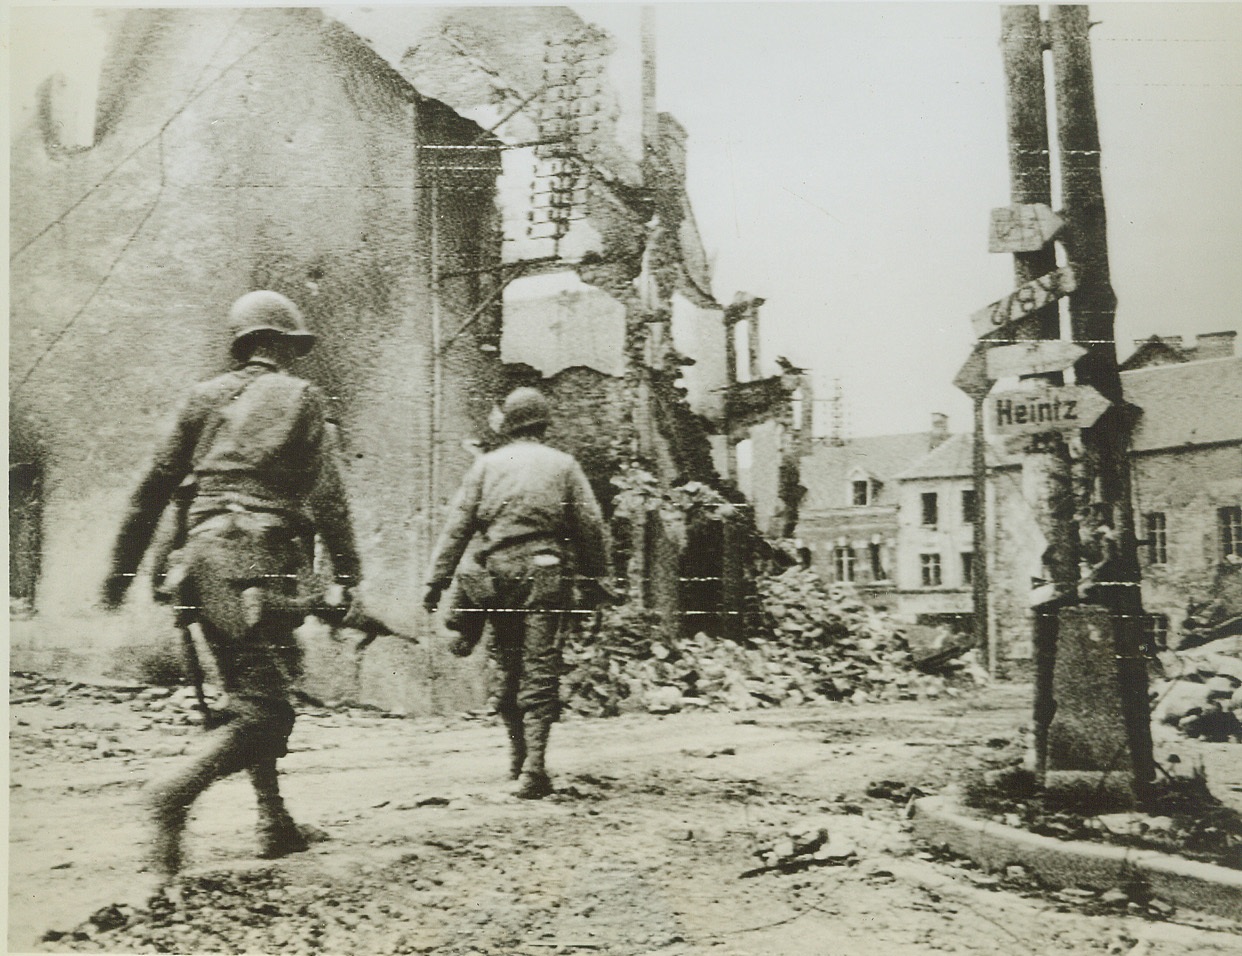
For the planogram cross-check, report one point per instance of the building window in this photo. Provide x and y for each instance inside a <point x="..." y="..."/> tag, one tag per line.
<point x="1156" y="628"/>
<point x="878" y="572"/>
<point x="931" y="570"/>
<point x="1231" y="532"/>
<point x="843" y="561"/>
<point x="968" y="506"/>
<point x="931" y="510"/>
<point x="968" y="567"/>
<point x="862" y="493"/>
<point x="1157" y="538"/>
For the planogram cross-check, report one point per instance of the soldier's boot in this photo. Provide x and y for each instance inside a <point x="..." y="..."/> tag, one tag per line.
<point x="534" y="782"/>
<point x="166" y="858"/>
<point x="170" y="802"/>
<point x="517" y="744"/>
<point x="278" y="834"/>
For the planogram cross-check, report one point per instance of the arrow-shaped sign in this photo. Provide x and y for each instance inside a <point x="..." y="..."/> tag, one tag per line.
<point x="1032" y="358"/>
<point x="972" y="378"/>
<point x="1023" y="228"/>
<point x="1044" y="408"/>
<point x="1024" y="300"/>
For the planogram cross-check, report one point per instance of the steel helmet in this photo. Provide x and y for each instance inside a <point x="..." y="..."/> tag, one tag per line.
<point x="524" y="408"/>
<point x="266" y="311"/>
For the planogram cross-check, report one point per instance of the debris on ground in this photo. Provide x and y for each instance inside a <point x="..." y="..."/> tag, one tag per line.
<point x="156" y="720"/>
<point x="1217" y="614"/>
<point x="1201" y="693"/>
<point x="811" y="642"/>
<point x="896" y="791"/>
<point x="800" y="849"/>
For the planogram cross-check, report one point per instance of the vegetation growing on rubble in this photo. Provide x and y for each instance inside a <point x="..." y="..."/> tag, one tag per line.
<point x="1178" y="815"/>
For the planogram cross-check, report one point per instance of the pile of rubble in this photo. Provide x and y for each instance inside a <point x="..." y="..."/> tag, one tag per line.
<point x="801" y="849"/>
<point x="809" y="643"/>
<point x="1201" y="693"/>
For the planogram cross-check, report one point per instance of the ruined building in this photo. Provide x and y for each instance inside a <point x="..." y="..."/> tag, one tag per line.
<point x="460" y="201"/>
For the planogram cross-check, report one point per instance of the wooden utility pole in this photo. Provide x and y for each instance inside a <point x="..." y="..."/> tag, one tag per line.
<point x="1047" y="476"/>
<point x="1105" y="506"/>
<point x="979" y="541"/>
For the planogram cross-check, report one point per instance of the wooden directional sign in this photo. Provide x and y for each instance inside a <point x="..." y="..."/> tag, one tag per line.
<point x="1032" y="358"/>
<point x="972" y="378"/>
<point x="1022" y="228"/>
<point x="1023" y="301"/>
<point x="1044" y="408"/>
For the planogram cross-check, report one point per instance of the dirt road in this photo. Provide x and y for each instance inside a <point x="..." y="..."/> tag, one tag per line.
<point x="640" y="851"/>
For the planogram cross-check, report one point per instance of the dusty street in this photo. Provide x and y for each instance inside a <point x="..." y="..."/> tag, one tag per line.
<point x="641" y="850"/>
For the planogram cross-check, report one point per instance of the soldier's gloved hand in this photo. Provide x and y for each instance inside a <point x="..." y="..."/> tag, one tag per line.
<point x="114" y="589"/>
<point x="431" y="600"/>
<point x="461" y="646"/>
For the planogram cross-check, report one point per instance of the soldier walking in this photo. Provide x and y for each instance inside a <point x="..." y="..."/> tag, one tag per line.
<point x="264" y="482"/>
<point x="538" y="522"/>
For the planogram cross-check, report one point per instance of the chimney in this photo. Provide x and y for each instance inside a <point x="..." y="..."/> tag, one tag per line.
<point x="1214" y="345"/>
<point x="939" y="430"/>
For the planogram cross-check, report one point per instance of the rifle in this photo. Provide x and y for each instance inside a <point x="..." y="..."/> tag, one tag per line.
<point x="211" y="718"/>
<point x="334" y="606"/>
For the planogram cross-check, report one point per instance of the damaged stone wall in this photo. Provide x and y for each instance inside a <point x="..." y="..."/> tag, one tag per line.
<point x="217" y="172"/>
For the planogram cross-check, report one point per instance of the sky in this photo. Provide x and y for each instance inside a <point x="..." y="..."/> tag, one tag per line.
<point x="844" y="158"/>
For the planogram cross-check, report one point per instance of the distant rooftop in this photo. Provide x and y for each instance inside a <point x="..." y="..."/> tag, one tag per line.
<point x="828" y="467"/>
<point x="955" y="458"/>
<point x="1187" y="403"/>
<point x="1171" y="350"/>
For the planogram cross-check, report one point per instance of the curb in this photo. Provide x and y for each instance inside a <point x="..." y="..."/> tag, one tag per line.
<point x="1186" y="883"/>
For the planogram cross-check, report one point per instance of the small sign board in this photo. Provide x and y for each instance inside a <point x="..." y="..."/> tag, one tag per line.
<point x="1032" y="358"/>
<point x="1022" y="228"/>
<point x="1040" y="407"/>
<point x="1026" y="299"/>
<point x="972" y="378"/>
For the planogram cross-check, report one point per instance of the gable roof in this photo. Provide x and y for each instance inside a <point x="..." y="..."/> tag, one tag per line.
<point x="1155" y="351"/>
<point x="955" y="458"/>
<point x="1193" y="403"/>
<point x="825" y="471"/>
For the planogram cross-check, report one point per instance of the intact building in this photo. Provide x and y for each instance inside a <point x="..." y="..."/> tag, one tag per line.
<point x="935" y="559"/>
<point x="848" y="518"/>
<point x="1186" y="473"/>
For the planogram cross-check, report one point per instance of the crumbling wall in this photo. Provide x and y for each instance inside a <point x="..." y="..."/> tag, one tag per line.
<point x="216" y="174"/>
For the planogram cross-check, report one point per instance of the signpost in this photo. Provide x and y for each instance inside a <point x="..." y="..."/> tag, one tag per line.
<point x="1022" y="228"/>
<point x="1040" y="408"/>
<point x="1026" y="299"/>
<point x="1032" y="358"/>
<point x="973" y="378"/>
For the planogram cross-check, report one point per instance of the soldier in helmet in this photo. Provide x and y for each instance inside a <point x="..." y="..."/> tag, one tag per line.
<point x="537" y="520"/>
<point x="264" y="482"/>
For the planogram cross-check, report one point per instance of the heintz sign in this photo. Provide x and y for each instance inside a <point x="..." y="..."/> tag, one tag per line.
<point x="1044" y="408"/>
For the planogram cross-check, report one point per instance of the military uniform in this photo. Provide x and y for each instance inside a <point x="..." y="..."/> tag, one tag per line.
<point x="264" y="482"/>
<point x="538" y="524"/>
